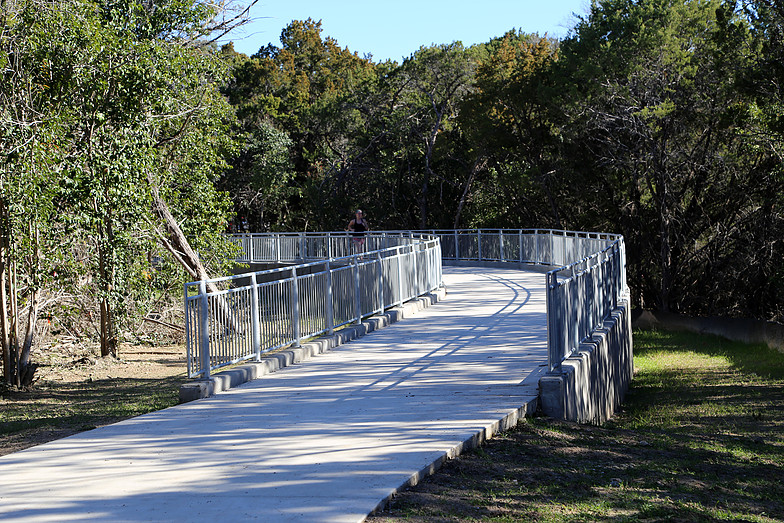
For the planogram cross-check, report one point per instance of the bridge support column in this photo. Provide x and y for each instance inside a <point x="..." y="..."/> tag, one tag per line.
<point x="593" y="381"/>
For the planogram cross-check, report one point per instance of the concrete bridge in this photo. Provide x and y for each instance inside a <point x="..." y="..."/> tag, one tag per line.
<point x="334" y="437"/>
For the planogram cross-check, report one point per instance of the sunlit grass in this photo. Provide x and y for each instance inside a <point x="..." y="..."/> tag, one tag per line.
<point x="699" y="438"/>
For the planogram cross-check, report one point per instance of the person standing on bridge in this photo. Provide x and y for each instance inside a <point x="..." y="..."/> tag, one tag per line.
<point x="358" y="226"/>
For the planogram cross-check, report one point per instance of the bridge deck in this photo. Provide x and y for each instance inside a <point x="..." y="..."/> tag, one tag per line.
<point x="327" y="440"/>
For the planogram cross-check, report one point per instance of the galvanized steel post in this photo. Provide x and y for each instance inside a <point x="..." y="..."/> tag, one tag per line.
<point x="381" y="302"/>
<point x="554" y="362"/>
<point x="358" y="304"/>
<point x="520" y="245"/>
<point x="204" y="330"/>
<point x="295" y="307"/>
<point x="255" y="315"/>
<point x="330" y="309"/>
<point x="536" y="243"/>
<point x="399" y="257"/>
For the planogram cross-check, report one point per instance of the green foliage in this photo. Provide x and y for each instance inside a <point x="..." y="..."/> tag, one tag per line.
<point x="103" y="103"/>
<point x="658" y="119"/>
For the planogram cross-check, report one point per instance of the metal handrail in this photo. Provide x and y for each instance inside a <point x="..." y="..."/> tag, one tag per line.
<point x="257" y="312"/>
<point x="587" y="284"/>
<point x="585" y="287"/>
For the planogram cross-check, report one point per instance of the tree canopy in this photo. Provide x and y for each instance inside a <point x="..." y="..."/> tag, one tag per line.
<point x="658" y="119"/>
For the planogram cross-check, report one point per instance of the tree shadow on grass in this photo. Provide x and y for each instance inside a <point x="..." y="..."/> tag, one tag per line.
<point x="55" y="410"/>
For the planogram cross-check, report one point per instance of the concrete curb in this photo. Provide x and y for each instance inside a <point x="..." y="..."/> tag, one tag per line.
<point x="476" y="440"/>
<point x="269" y="363"/>
<point x="593" y="381"/>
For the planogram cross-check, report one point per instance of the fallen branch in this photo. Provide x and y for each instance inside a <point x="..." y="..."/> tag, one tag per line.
<point x="178" y="328"/>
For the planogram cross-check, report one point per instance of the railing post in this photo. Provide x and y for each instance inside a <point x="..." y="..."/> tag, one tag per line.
<point x="295" y="306"/>
<point x="414" y="251"/>
<point x="358" y="304"/>
<point x="501" y="243"/>
<point x="400" y="272"/>
<point x="381" y="303"/>
<point x="330" y="309"/>
<point x="251" y="258"/>
<point x="188" y="335"/>
<point x="255" y="315"/>
<point x="520" y="244"/>
<point x="204" y="330"/>
<point x="552" y="249"/>
<point x="277" y="247"/>
<point x="479" y="242"/>
<point x="457" y="256"/>
<point x="302" y="248"/>
<point x="536" y="244"/>
<point x="554" y="361"/>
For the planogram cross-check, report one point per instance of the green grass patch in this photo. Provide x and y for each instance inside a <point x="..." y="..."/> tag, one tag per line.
<point x="53" y="410"/>
<point x="700" y="437"/>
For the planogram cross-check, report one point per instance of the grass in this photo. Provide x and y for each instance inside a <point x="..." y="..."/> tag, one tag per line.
<point x="86" y="405"/>
<point x="700" y="437"/>
<point x="84" y="394"/>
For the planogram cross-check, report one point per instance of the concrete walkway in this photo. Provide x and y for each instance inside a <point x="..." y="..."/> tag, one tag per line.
<point x="327" y="440"/>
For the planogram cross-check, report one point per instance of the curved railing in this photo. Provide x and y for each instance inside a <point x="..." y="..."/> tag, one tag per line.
<point x="587" y="284"/>
<point x="237" y="318"/>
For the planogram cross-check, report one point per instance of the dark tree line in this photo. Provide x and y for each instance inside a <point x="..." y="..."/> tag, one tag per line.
<point x="658" y="119"/>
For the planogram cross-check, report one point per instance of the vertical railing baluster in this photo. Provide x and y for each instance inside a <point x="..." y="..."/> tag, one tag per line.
<point x="295" y="307"/>
<point x="204" y="330"/>
<point x="358" y="304"/>
<point x="330" y="310"/>
<point x="255" y="316"/>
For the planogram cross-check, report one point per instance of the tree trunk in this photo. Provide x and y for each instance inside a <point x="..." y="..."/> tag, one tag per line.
<point x="25" y="370"/>
<point x="105" y="272"/>
<point x="13" y="316"/>
<point x="177" y="244"/>
<point x="4" y="308"/>
<point x="478" y="165"/>
<point x="430" y="143"/>
<point x="543" y="179"/>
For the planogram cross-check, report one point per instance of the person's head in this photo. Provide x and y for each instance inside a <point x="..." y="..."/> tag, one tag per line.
<point x="358" y="214"/>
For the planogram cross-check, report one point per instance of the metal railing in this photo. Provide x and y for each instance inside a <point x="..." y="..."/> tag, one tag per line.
<point x="587" y="285"/>
<point x="531" y="246"/>
<point x="243" y="316"/>
<point x="301" y="247"/>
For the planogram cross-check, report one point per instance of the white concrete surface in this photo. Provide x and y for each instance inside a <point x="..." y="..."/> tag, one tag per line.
<point x="327" y="440"/>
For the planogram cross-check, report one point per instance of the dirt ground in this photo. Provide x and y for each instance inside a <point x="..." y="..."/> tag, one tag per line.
<point x="75" y="390"/>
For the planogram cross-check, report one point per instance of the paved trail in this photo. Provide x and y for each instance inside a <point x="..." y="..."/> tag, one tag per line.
<point x="327" y="440"/>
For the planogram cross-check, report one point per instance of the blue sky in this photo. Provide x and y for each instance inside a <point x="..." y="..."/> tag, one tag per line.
<point x="395" y="29"/>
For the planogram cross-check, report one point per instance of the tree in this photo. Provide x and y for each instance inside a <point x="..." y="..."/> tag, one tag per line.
<point x="514" y="114"/>
<point x="659" y="141"/>
<point x="102" y="103"/>
<point x="435" y="81"/>
<point x="301" y="94"/>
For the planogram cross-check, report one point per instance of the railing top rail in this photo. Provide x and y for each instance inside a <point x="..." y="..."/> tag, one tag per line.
<point x="224" y="279"/>
<point x="583" y="260"/>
